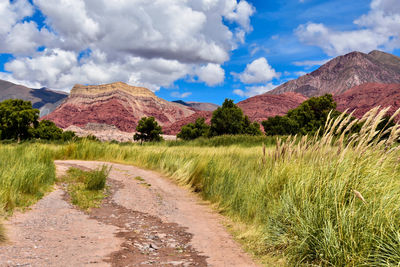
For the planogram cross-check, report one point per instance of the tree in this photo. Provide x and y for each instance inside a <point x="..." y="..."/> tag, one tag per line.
<point x="227" y="119"/>
<point x="280" y="125"/>
<point x="17" y="117"/>
<point x="47" y="130"/>
<point x="251" y="128"/>
<point x="195" y="130"/>
<point x="148" y="130"/>
<point x="307" y="118"/>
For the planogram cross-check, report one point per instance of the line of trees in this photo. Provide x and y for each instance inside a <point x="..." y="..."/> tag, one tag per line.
<point x="307" y="118"/>
<point x="20" y="121"/>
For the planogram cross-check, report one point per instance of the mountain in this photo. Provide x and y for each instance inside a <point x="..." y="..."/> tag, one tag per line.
<point x="117" y="104"/>
<point x="345" y="72"/>
<point x="261" y="107"/>
<point x="198" y="105"/>
<point x="44" y="99"/>
<point x="362" y="98"/>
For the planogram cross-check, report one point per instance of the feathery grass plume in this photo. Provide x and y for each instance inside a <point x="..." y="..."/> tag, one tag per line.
<point x="359" y="196"/>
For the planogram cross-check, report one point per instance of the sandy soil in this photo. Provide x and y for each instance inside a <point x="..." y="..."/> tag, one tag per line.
<point x="146" y="221"/>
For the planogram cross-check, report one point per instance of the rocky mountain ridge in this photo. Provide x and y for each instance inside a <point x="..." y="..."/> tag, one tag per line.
<point x="117" y="104"/>
<point x="44" y="99"/>
<point x="345" y="72"/>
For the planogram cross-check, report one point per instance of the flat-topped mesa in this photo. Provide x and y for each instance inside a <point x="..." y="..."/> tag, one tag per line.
<point x="80" y="89"/>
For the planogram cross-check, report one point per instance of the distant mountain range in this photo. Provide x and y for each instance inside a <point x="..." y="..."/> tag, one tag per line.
<point x="44" y="99"/>
<point x="198" y="105"/>
<point x="357" y="81"/>
<point x="345" y="72"/>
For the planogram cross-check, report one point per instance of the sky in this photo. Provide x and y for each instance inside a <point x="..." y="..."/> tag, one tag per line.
<point x="194" y="50"/>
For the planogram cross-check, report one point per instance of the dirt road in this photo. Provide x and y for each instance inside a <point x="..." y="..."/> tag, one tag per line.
<point x="146" y="220"/>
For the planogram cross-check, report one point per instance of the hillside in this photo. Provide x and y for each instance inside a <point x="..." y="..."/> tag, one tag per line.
<point x="345" y="72"/>
<point x="44" y="99"/>
<point x="117" y="104"/>
<point x="362" y="98"/>
<point x="261" y="107"/>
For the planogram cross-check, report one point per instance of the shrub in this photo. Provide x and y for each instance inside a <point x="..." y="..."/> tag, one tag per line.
<point x="47" y="130"/>
<point x="194" y="130"/>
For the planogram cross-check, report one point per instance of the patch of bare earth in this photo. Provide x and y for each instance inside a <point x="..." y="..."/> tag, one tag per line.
<point x="146" y="220"/>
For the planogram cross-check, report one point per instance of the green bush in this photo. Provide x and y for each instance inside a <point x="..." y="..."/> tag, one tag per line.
<point x="194" y="130"/>
<point x="47" y="130"/>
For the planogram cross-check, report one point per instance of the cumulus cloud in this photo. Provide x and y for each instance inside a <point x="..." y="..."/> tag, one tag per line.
<point x="257" y="71"/>
<point x="379" y="29"/>
<point x="181" y="95"/>
<point x="211" y="74"/>
<point x="254" y="90"/>
<point x="148" y="43"/>
<point x="310" y="63"/>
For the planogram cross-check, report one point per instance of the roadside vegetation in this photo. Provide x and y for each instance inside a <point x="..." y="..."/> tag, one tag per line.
<point x="26" y="174"/>
<point x="329" y="198"/>
<point x="86" y="188"/>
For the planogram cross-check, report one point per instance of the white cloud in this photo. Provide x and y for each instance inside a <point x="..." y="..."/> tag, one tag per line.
<point x="211" y="74"/>
<point x="310" y="63"/>
<point x="150" y="43"/>
<point x="379" y="29"/>
<point x="180" y="95"/>
<point x="257" y="71"/>
<point x="254" y="90"/>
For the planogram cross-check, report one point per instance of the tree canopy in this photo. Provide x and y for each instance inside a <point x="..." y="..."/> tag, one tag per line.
<point x="229" y="119"/>
<point x="195" y="130"/>
<point x="17" y="117"/>
<point x="305" y="119"/>
<point x="148" y="130"/>
<point x="19" y="121"/>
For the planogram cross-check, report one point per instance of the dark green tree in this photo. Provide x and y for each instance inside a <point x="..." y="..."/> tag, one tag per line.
<point x="17" y="117"/>
<point x="227" y="119"/>
<point x="47" y="130"/>
<point x="148" y="130"/>
<point x="312" y="113"/>
<point x="307" y="118"/>
<point x="195" y="130"/>
<point x="280" y="125"/>
<point x="251" y="128"/>
<point x="68" y="135"/>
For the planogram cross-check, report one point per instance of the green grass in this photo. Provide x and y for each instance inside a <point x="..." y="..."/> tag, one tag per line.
<point x="329" y="201"/>
<point x="86" y="188"/>
<point x="26" y="173"/>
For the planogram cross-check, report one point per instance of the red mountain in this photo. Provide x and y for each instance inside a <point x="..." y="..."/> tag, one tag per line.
<point x="261" y="107"/>
<point x="115" y="104"/>
<point x="345" y="72"/>
<point x="364" y="97"/>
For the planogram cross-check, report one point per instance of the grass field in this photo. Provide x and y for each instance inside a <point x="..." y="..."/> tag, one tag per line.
<point x="330" y="200"/>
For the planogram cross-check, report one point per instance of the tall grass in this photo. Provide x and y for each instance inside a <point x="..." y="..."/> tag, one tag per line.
<point x="330" y="200"/>
<point x="86" y="188"/>
<point x="26" y="173"/>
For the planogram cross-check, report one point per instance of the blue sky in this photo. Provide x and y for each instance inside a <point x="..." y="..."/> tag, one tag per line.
<point x="204" y="50"/>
